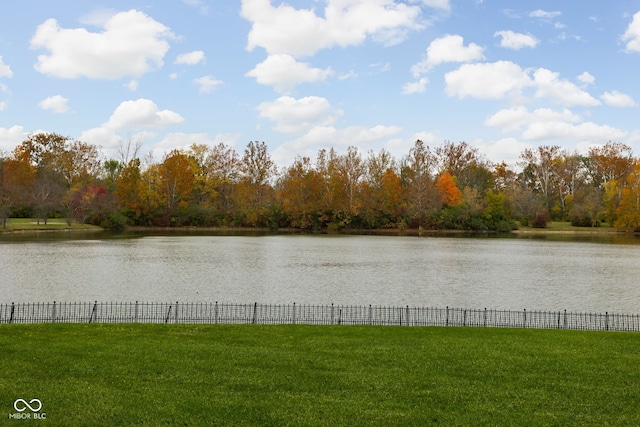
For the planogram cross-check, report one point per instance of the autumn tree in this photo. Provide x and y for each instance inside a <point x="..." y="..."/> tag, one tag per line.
<point x="466" y="164"/>
<point x="298" y="191"/>
<point x="351" y="168"/>
<point x="44" y="154"/>
<point x="14" y="177"/>
<point x="612" y="161"/>
<point x="177" y="176"/>
<point x="629" y="210"/>
<point x="382" y="198"/>
<point x="417" y="173"/>
<point x="450" y="194"/>
<point x="129" y="189"/>
<point x="607" y="167"/>
<point x="223" y="165"/>
<point x="255" y="192"/>
<point x="540" y="172"/>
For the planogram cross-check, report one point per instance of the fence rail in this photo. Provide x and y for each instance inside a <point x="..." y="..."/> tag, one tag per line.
<point x="226" y="313"/>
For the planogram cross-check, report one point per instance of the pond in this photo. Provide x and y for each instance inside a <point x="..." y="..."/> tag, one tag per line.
<point x="588" y="274"/>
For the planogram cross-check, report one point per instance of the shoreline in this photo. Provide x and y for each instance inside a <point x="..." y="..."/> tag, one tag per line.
<point x="346" y="231"/>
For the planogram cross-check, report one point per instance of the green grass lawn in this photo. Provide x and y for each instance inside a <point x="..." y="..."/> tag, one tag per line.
<point x="133" y="374"/>
<point x="15" y="224"/>
<point x="566" y="226"/>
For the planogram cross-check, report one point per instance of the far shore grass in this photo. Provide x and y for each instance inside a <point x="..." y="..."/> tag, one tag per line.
<point x="60" y="224"/>
<point x="53" y="224"/>
<point x="136" y="374"/>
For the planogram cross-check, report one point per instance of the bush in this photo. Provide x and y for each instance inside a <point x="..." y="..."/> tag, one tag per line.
<point x="541" y="219"/>
<point x="114" y="221"/>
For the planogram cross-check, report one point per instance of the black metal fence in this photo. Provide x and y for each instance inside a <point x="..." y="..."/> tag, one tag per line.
<point x="226" y="313"/>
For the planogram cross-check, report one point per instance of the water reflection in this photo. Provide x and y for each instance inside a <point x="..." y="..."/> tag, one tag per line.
<point x="526" y="271"/>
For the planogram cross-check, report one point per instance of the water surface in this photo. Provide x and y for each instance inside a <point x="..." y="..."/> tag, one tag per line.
<point x="505" y="273"/>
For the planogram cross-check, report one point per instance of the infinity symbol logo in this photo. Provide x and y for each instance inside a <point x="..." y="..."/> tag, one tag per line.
<point x="21" y="405"/>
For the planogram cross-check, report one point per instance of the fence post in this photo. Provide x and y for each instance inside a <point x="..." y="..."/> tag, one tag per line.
<point x="176" y="321"/>
<point x="524" y="323"/>
<point x="53" y="312"/>
<point x="485" y="317"/>
<point x="606" y="320"/>
<point x="565" y="318"/>
<point x="294" y="313"/>
<point x="13" y="309"/>
<point x="464" y="318"/>
<point x="446" y="322"/>
<point x="255" y="313"/>
<point x="136" y="312"/>
<point x="215" y="312"/>
<point x="93" y="312"/>
<point x="166" y="320"/>
<point x="370" y="315"/>
<point x="408" y="315"/>
<point x="332" y="317"/>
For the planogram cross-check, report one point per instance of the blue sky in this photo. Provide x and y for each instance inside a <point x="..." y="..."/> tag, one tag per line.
<point x="309" y="74"/>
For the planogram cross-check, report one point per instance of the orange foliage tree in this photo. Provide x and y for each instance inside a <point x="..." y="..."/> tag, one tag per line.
<point x="450" y="194"/>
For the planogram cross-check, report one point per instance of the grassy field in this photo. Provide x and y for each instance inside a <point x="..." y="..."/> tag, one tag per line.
<point x="132" y="374"/>
<point x="28" y="224"/>
<point x="564" y="226"/>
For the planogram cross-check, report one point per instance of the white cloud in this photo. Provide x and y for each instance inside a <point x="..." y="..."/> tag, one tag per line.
<point x="415" y="87"/>
<point x="586" y="78"/>
<point x="202" y="7"/>
<point x="587" y="131"/>
<point x="181" y="140"/>
<point x="190" y="58"/>
<point x="131" y="45"/>
<point x="492" y="80"/>
<point x="141" y="114"/>
<point x="618" y="99"/>
<point x="504" y="149"/>
<point x="516" y="41"/>
<point x="546" y="124"/>
<point x="5" y="70"/>
<point x="299" y="115"/>
<point x="632" y="35"/>
<point x="4" y="89"/>
<point x="399" y="147"/>
<point x="103" y="137"/>
<point x="56" y="103"/>
<point x="284" y="73"/>
<point x="436" y="4"/>
<point x="301" y="32"/>
<point x="517" y="118"/>
<point x="132" y="85"/>
<point x="380" y="67"/>
<point x="543" y="14"/>
<point x="449" y="48"/>
<point x="98" y="17"/>
<point x="561" y="91"/>
<point x="348" y="75"/>
<point x="328" y="136"/>
<point x="11" y="137"/>
<point x="206" y="84"/>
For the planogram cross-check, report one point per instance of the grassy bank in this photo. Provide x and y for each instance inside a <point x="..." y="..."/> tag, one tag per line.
<point x="57" y="224"/>
<point x="125" y="374"/>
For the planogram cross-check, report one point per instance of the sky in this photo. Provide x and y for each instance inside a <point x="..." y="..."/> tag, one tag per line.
<point x="303" y="75"/>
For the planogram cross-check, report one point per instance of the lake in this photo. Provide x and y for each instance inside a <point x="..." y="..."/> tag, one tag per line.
<point x="577" y="274"/>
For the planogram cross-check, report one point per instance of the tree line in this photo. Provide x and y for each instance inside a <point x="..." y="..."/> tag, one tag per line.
<point x="451" y="186"/>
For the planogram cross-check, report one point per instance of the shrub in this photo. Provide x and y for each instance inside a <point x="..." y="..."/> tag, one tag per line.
<point x="541" y="219"/>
